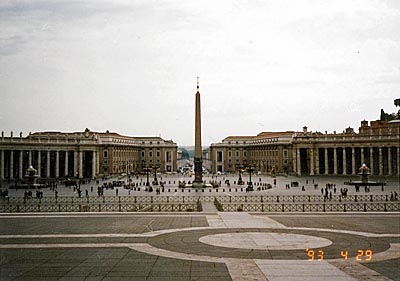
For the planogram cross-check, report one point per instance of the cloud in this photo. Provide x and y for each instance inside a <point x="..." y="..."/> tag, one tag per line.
<point x="130" y="66"/>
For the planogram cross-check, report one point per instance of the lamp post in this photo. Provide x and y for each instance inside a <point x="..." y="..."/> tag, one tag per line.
<point x="240" y="180"/>
<point x="250" y="169"/>
<point x="155" y="181"/>
<point x="147" y="170"/>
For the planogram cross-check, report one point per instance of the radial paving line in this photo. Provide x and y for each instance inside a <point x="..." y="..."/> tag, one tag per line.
<point x="245" y="270"/>
<point x="245" y="220"/>
<point x="215" y="221"/>
<point x="297" y="270"/>
<point x="358" y="271"/>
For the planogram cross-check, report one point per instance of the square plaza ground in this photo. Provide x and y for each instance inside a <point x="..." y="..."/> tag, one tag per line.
<point x="207" y="245"/>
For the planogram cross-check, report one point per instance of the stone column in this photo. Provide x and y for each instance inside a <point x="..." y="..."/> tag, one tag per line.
<point x="21" y="166"/>
<point x="75" y="164"/>
<point x="335" y="161"/>
<point x="29" y="158"/>
<point x="11" y="164"/>
<point x="298" y="162"/>
<point x="371" y="160"/>
<point x="57" y="164"/>
<point x="39" y="161"/>
<point x="48" y="164"/>
<point x="326" y="161"/>
<point x="294" y="159"/>
<point x="98" y="164"/>
<point x="311" y="161"/>
<point x="317" y="162"/>
<point x="1" y="164"/>
<point x="353" y="161"/>
<point x="389" y="161"/>
<point x="80" y="165"/>
<point x="380" y="162"/>
<point x="94" y="165"/>
<point x="362" y="156"/>
<point x="66" y="163"/>
<point x="398" y="161"/>
<point x="344" y="161"/>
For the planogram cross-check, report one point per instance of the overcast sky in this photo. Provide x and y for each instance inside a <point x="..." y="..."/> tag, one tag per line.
<point x="131" y="66"/>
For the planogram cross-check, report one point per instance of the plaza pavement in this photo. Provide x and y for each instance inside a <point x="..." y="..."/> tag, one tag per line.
<point x="208" y="245"/>
<point x="393" y="185"/>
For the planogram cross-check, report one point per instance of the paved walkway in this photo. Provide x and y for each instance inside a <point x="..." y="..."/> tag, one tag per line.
<point x="208" y="207"/>
<point x="197" y="246"/>
<point x="171" y="187"/>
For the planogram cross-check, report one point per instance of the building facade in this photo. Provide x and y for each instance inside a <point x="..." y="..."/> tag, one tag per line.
<point x="377" y="145"/>
<point x="313" y="153"/>
<point x="83" y="154"/>
<point x="268" y="152"/>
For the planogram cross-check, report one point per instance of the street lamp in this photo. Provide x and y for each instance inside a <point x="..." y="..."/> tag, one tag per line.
<point x="147" y="170"/>
<point x="240" y="180"/>
<point x="250" y="169"/>
<point x="155" y="181"/>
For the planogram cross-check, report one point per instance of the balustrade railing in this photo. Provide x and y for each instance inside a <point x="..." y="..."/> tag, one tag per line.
<point x="248" y="203"/>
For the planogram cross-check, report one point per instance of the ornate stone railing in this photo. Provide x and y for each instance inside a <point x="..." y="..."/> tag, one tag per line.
<point x="312" y="207"/>
<point x="159" y="203"/>
<point x="100" y="207"/>
<point x="303" y="198"/>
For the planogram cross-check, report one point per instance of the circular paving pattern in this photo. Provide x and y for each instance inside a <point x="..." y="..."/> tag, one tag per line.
<point x="265" y="241"/>
<point x="293" y="243"/>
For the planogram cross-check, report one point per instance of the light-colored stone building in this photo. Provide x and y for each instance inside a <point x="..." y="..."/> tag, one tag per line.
<point x="377" y="145"/>
<point x="83" y="154"/>
<point x="313" y="153"/>
<point x="268" y="152"/>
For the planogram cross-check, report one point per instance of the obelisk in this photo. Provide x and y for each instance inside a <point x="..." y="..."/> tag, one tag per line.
<point x="198" y="153"/>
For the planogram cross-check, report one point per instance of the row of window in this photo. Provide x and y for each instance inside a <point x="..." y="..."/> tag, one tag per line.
<point x="252" y="154"/>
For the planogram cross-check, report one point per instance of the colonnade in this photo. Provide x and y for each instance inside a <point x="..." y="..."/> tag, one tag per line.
<point x="346" y="160"/>
<point x="55" y="163"/>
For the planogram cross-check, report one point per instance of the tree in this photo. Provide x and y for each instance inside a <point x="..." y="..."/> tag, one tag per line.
<point x="397" y="102"/>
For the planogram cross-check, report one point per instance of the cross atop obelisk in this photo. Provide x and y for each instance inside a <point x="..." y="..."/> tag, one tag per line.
<point x="198" y="153"/>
